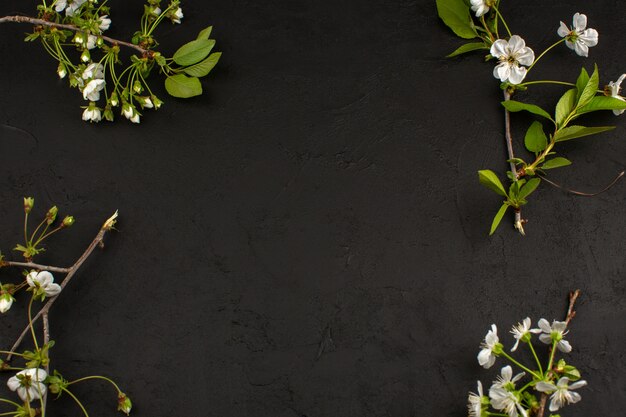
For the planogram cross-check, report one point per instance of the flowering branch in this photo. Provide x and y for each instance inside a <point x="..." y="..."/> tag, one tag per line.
<point x="479" y="21"/>
<point x="42" y="22"/>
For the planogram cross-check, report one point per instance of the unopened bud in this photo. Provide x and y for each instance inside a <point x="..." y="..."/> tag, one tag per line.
<point x="52" y="214"/>
<point x="68" y="221"/>
<point x="29" y="202"/>
<point x="108" y="225"/>
<point x="124" y="404"/>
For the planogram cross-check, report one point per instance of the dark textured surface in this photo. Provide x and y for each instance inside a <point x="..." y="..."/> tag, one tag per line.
<point x="308" y="238"/>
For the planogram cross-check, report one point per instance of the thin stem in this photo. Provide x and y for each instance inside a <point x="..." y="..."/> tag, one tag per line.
<point x="97" y="241"/>
<point x="77" y="400"/>
<point x="509" y="357"/>
<point x="547" y="82"/>
<point x="519" y="223"/>
<point x="502" y="20"/>
<point x="87" y="378"/>
<point x="47" y="235"/>
<point x="6" y="352"/>
<point x="543" y="53"/>
<point x="9" y="402"/>
<point x="37" y="266"/>
<point x="35" y="231"/>
<point x="26" y="228"/>
<point x="30" y="322"/>
<point x="580" y="193"/>
<point x="482" y="19"/>
<point x="532" y="349"/>
<point x="34" y="21"/>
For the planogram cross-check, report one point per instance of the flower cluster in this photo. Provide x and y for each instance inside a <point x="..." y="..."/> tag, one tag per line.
<point x="557" y="379"/>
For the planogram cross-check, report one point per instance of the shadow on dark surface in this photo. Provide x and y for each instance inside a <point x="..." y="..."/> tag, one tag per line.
<point x="308" y="238"/>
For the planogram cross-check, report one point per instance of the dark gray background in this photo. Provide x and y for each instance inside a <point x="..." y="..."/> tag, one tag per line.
<point x="323" y="189"/>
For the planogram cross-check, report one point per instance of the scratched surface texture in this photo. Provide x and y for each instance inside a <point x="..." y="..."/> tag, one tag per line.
<point x="308" y="238"/>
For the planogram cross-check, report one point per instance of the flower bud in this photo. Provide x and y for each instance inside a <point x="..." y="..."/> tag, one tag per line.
<point x="124" y="404"/>
<point x="85" y="56"/>
<point x="52" y="214"/>
<point x="68" y="221"/>
<point x="137" y="87"/>
<point x="61" y="70"/>
<point x="157" y="103"/>
<point x="29" y="202"/>
<point x="6" y="301"/>
<point x="108" y="225"/>
<point x="114" y="99"/>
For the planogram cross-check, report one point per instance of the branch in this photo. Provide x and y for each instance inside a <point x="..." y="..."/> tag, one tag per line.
<point x="97" y="241"/>
<point x="519" y="223"/>
<point x="571" y="313"/>
<point x="34" y="21"/>
<point x="31" y="265"/>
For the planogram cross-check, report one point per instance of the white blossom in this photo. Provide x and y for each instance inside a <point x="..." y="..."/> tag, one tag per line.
<point x="93" y="70"/>
<point x="29" y="384"/>
<point x="43" y="280"/>
<point x="474" y="402"/>
<point x="554" y="333"/>
<point x="502" y="393"/>
<point x="486" y="357"/>
<point x="579" y="37"/>
<point x="561" y="394"/>
<point x="6" y="301"/>
<point x="480" y="7"/>
<point x="92" y="90"/>
<point x="521" y="331"/>
<point x="92" y="114"/>
<point x="61" y="71"/>
<point x="92" y="41"/>
<point x="73" y="6"/>
<point x="512" y="54"/>
<point x="614" y="88"/>
<point x="104" y="23"/>
<point x="177" y="15"/>
<point x="506" y="380"/>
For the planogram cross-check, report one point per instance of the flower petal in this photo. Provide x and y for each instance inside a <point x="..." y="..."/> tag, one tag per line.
<point x="517" y="74"/>
<point x="581" y="49"/>
<point x="546" y="387"/>
<point x="499" y="48"/>
<point x="580" y="22"/>
<point x="563" y="30"/>
<point x="589" y="37"/>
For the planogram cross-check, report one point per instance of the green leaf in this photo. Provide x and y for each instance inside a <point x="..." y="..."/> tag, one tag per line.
<point x="515" y="106"/>
<point x="498" y="218"/>
<point x="528" y="188"/>
<point x="181" y="86"/>
<point x="491" y="181"/>
<point x="565" y="106"/>
<point x="590" y="88"/>
<point x="468" y="47"/>
<point x="193" y="52"/>
<point x="205" y="33"/>
<point x="573" y="132"/>
<point x="456" y="15"/>
<point x="535" y="140"/>
<point x="581" y="82"/>
<point x="557" y="162"/>
<point x="203" y="68"/>
<point x="602" y="103"/>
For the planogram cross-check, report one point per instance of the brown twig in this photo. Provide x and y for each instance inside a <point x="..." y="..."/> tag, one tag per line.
<point x="571" y="313"/>
<point x="97" y="241"/>
<point x="519" y="223"/>
<point x="31" y="265"/>
<point x="35" y="21"/>
<point x="580" y="193"/>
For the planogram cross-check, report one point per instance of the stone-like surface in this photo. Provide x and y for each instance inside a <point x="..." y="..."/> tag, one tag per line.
<point x="308" y="238"/>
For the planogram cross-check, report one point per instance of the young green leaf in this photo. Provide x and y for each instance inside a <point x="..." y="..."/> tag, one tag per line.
<point x="557" y="162"/>
<point x="205" y="33"/>
<point x="203" y="68"/>
<point x="565" y="106"/>
<point x="602" y="103"/>
<point x="535" y="139"/>
<point x="498" y="218"/>
<point x="581" y="82"/>
<point x="590" y="88"/>
<point x="456" y="15"/>
<point x="193" y="52"/>
<point x="573" y="132"/>
<point x="491" y="181"/>
<point x="468" y="47"/>
<point x="181" y="86"/>
<point x="515" y="106"/>
<point x="528" y="188"/>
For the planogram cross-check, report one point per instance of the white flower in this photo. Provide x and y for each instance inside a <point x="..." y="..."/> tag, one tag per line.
<point x="92" y="114"/>
<point x="474" y="402"/>
<point x="177" y="15"/>
<point x="579" y="38"/>
<point x="561" y="394"/>
<point x="93" y="70"/>
<point x="73" y="7"/>
<point x="614" y="88"/>
<point x="61" y="71"/>
<point x="156" y="11"/>
<point x="480" y="7"/>
<point x="554" y="333"/>
<point x="6" y="301"/>
<point x="105" y="23"/>
<point x="29" y="384"/>
<point x="521" y="331"/>
<point x="486" y="357"/>
<point x="145" y="102"/>
<point x="92" y="40"/>
<point x="135" y="118"/>
<point x="60" y="5"/>
<point x="92" y="90"/>
<point x="511" y="54"/>
<point x="130" y="113"/>
<point x="506" y="380"/>
<point x="43" y="280"/>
